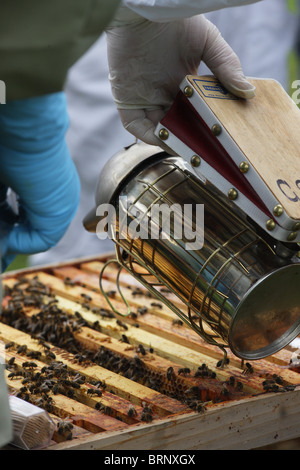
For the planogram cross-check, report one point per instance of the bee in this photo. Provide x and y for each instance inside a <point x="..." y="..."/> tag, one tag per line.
<point x="239" y="386"/>
<point x="111" y="293"/>
<point x="224" y="391"/>
<point x="231" y="381"/>
<point x="122" y="324"/>
<point x="278" y="379"/>
<point x="9" y="345"/>
<point x="97" y="326"/>
<point x="57" y="389"/>
<point x="65" y="428"/>
<point x="44" y="388"/>
<point x="131" y="411"/>
<point x="156" y="304"/>
<point x="137" y="291"/>
<point x="70" y="393"/>
<point x="204" y="371"/>
<point x="198" y="406"/>
<point x="40" y="402"/>
<point x="14" y="374"/>
<point x="107" y="410"/>
<point x="222" y="362"/>
<point x="145" y="416"/>
<point x="34" y="354"/>
<point x="138" y="361"/>
<point x="86" y="297"/>
<point x="25" y="396"/>
<point x="270" y="386"/>
<point x="69" y="282"/>
<point x="184" y="371"/>
<point x="29" y="364"/>
<point x="142" y="310"/>
<point x="48" y="406"/>
<point x="79" y="379"/>
<point x="80" y="357"/>
<point x="248" y="369"/>
<point x="26" y="380"/>
<point x="124" y="339"/>
<point x="146" y="407"/>
<point x="22" y="349"/>
<point x="170" y="373"/>
<point x="93" y="391"/>
<point x="85" y="306"/>
<point x="106" y="313"/>
<point x="11" y="361"/>
<point x="288" y="388"/>
<point x="133" y="315"/>
<point x="177" y="322"/>
<point x="141" y="349"/>
<point x="50" y="354"/>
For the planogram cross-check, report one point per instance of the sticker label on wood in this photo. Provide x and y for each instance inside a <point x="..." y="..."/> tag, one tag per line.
<point x="211" y="88"/>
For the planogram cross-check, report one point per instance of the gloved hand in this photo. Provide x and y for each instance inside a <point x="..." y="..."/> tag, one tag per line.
<point x="148" y="60"/>
<point x="168" y="10"/>
<point x="36" y="164"/>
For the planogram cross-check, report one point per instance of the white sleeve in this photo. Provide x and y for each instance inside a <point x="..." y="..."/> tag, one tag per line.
<point x="167" y="10"/>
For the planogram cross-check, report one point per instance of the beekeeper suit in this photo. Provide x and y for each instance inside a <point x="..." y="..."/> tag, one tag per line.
<point x="263" y="35"/>
<point x="39" y="42"/>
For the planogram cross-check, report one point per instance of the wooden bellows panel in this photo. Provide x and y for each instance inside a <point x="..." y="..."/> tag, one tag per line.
<point x="266" y="129"/>
<point x="117" y="382"/>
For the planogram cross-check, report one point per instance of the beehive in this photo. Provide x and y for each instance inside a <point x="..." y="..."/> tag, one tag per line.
<point x="144" y="381"/>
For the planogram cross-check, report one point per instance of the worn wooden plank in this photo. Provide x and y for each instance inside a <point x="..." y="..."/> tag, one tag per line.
<point x="236" y="426"/>
<point x="138" y="297"/>
<point x="123" y="387"/>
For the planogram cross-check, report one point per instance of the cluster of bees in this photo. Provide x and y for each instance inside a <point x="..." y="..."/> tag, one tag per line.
<point x="275" y="383"/>
<point x="52" y="326"/>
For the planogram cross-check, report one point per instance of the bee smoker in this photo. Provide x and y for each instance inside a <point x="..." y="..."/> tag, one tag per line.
<point x="239" y="286"/>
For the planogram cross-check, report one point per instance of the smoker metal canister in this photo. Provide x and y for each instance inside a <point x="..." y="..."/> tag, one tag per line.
<point x="236" y="284"/>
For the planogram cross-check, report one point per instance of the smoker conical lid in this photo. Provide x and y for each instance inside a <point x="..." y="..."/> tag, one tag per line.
<point x="268" y="318"/>
<point x="115" y="173"/>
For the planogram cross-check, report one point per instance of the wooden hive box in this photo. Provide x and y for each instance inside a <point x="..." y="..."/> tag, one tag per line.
<point x="139" y="382"/>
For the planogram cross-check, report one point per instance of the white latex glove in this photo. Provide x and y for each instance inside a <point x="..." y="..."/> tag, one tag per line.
<point x="167" y="10"/>
<point x="148" y="60"/>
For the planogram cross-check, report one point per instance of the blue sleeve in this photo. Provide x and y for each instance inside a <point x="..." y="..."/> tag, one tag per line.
<point x="35" y="162"/>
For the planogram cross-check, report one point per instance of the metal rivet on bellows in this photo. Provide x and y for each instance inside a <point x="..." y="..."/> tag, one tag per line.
<point x="216" y="129"/>
<point x="296" y="227"/>
<point x="188" y="91"/>
<point x="163" y="134"/>
<point x="270" y="224"/>
<point x="292" y="236"/>
<point x="244" y="167"/>
<point x="278" y="210"/>
<point x="195" y="160"/>
<point x="232" y="194"/>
